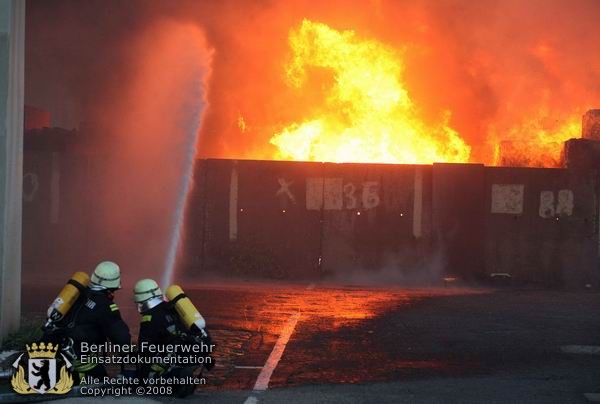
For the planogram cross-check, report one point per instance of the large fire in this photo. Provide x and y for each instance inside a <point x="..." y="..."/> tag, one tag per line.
<point x="357" y="81"/>
<point x="366" y="114"/>
<point x="536" y="142"/>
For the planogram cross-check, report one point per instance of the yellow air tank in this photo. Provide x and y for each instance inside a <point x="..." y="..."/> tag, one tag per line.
<point x="186" y="310"/>
<point x="67" y="296"/>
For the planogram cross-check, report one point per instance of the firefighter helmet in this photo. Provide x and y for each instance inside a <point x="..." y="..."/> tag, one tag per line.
<point x="107" y="274"/>
<point x="146" y="289"/>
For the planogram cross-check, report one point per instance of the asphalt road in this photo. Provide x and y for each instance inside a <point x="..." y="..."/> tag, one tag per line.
<point x="307" y="343"/>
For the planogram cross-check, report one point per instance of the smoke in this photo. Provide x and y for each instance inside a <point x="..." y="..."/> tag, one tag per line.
<point x="142" y="131"/>
<point x="151" y="125"/>
<point x="406" y="268"/>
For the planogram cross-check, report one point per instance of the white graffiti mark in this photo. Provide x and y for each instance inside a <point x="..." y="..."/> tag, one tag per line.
<point x="351" y="202"/>
<point x="314" y="193"/>
<point x="563" y="206"/>
<point x="370" y="195"/>
<point x="565" y="202"/>
<point x="546" y="204"/>
<point x="31" y="185"/>
<point x="507" y="198"/>
<point x="334" y="194"/>
<point x="284" y="189"/>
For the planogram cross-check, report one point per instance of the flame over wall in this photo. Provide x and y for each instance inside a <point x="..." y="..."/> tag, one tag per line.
<point x="367" y="114"/>
<point x="508" y="80"/>
<point x="484" y="82"/>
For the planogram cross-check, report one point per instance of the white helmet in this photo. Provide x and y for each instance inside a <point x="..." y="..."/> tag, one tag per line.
<point x="106" y="275"/>
<point x="146" y="289"/>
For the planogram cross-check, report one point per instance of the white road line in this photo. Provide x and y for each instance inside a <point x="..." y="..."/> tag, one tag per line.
<point x="581" y="349"/>
<point x="262" y="382"/>
<point x="251" y="400"/>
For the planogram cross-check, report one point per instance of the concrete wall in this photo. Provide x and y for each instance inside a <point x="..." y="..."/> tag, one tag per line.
<point x="250" y="219"/>
<point x="458" y="217"/>
<point x="542" y="225"/>
<point x="303" y="220"/>
<point x="309" y="219"/>
<point x="370" y="219"/>
<point x="295" y="220"/>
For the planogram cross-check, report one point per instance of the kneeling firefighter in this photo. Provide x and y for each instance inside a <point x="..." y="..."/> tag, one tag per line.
<point x="84" y="311"/>
<point x="173" y="322"/>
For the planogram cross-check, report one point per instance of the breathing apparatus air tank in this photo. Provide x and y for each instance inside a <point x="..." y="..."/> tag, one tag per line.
<point x="67" y="297"/>
<point x="188" y="314"/>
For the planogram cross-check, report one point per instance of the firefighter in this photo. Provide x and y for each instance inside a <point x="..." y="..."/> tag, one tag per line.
<point x="94" y="318"/>
<point x="161" y="325"/>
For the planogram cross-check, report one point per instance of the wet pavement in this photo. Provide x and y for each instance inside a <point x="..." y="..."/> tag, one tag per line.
<point x="392" y="337"/>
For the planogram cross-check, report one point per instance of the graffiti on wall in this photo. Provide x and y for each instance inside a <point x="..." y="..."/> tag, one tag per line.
<point x="285" y="190"/>
<point x="31" y="185"/>
<point x="561" y="205"/>
<point x="507" y="198"/>
<point x="335" y="194"/>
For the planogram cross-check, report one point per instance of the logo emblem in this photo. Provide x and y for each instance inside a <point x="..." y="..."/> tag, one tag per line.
<point x="42" y="372"/>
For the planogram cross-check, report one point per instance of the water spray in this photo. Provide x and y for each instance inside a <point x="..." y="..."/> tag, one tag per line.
<point x="177" y="232"/>
<point x="186" y="187"/>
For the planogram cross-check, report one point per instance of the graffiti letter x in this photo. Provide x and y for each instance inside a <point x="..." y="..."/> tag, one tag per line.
<point x="284" y="189"/>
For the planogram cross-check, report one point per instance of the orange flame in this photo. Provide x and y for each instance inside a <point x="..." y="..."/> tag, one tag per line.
<point x="536" y="142"/>
<point x="366" y="114"/>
